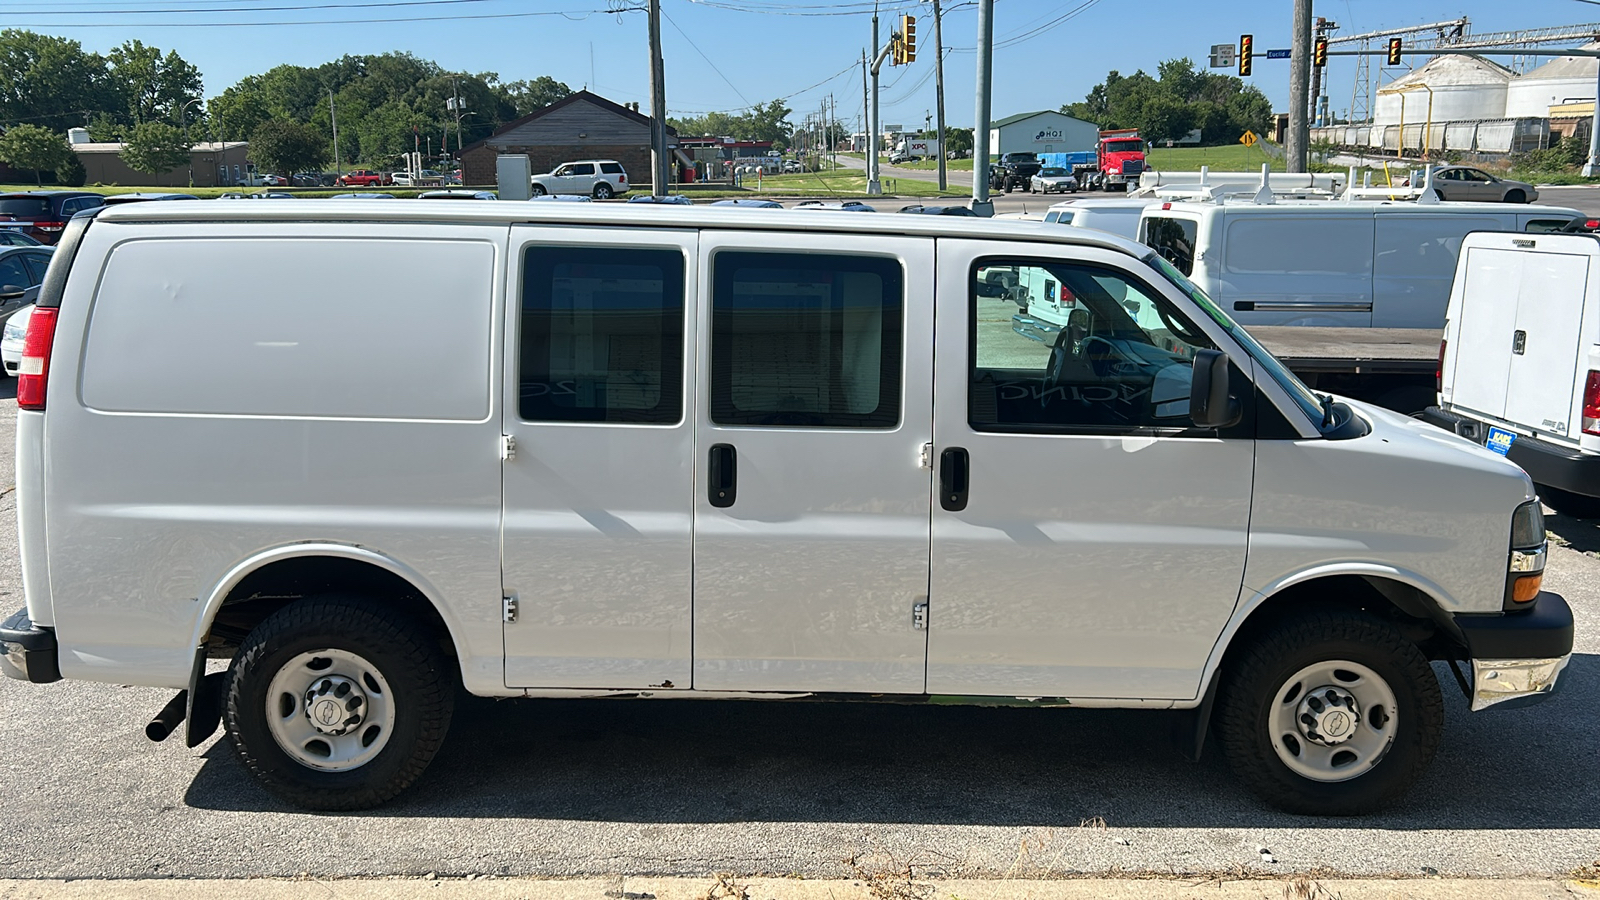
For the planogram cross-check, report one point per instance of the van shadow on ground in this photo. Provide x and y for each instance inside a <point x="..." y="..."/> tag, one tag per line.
<point x="692" y="761"/>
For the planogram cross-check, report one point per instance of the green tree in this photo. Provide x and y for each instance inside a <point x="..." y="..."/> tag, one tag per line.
<point x="238" y="111"/>
<point x="1180" y="99"/>
<point x="957" y="140"/>
<point x="287" y="147"/>
<point x="527" y="96"/>
<point x="32" y="147"/>
<point x="155" y="147"/>
<point x="51" y="81"/>
<point x="153" y="86"/>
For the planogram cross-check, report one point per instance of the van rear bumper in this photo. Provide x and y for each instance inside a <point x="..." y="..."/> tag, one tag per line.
<point x="1550" y="464"/>
<point x="27" y="651"/>
<point x="1517" y="657"/>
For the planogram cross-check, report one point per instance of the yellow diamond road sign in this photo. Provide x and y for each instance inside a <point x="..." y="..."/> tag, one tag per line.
<point x="1248" y="139"/>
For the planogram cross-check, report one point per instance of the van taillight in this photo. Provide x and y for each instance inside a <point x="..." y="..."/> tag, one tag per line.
<point x="35" y="367"/>
<point x="50" y="226"/>
<point x="1438" y="374"/>
<point x="1591" y="403"/>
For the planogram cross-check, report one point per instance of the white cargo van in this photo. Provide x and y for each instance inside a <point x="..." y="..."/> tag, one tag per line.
<point x="1351" y="263"/>
<point x="689" y="452"/>
<point x="1119" y="216"/>
<point x="1519" y="370"/>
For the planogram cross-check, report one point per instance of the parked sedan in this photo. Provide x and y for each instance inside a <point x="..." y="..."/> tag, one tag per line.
<point x="20" y="268"/>
<point x="1467" y="183"/>
<point x="16" y="239"/>
<point x="1054" y="180"/>
<point x="15" y="334"/>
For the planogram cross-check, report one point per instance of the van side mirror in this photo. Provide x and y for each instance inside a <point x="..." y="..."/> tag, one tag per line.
<point x="1210" y="406"/>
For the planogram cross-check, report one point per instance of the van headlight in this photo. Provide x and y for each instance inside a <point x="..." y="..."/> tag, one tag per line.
<point x="15" y="331"/>
<point x="1525" y="570"/>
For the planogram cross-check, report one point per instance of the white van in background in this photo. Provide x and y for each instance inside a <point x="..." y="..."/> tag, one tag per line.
<point x="1118" y="216"/>
<point x="1357" y="263"/>
<point x="1520" y="367"/>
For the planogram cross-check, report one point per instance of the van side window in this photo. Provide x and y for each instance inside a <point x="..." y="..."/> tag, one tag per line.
<point x="1424" y="246"/>
<point x="602" y="335"/>
<point x="805" y="340"/>
<point x="1174" y="239"/>
<point x="1093" y="351"/>
<point x="1547" y="225"/>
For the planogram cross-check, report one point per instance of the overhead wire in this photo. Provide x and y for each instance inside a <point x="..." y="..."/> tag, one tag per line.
<point x="706" y="58"/>
<point x="568" y="13"/>
<point x="146" y="11"/>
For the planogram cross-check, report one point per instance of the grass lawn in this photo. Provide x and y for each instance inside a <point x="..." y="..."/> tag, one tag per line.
<point x="932" y="165"/>
<point x="211" y="193"/>
<point x="1232" y="158"/>
<point x="842" y="183"/>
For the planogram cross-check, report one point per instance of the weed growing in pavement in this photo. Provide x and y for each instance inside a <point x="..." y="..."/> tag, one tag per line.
<point x="1301" y="887"/>
<point x="886" y="878"/>
<point x="727" y="888"/>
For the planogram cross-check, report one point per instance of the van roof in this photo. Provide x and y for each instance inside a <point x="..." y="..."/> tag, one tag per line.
<point x="612" y="214"/>
<point x="1106" y="203"/>
<point x="1244" y="206"/>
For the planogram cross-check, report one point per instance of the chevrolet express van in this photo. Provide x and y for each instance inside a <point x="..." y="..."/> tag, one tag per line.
<point x="559" y="450"/>
<point x="1519" y="369"/>
<point x="1350" y="263"/>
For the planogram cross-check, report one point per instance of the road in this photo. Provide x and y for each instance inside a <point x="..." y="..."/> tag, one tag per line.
<point x="694" y="787"/>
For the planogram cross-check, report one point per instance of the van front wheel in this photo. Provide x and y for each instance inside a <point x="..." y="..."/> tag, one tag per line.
<point x="1331" y="713"/>
<point x="338" y="702"/>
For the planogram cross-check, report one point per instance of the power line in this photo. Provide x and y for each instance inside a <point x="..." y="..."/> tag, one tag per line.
<point x="576" y="14"/>
<point x="705" y="57"/>
<point x="232" y="9"/>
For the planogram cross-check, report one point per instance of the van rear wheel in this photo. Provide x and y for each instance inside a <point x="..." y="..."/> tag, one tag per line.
<point x="338" y="702"/>
<point x="1330" y="713"/>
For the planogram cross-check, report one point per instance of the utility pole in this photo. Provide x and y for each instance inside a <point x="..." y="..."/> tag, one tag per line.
<point x="938" y="89"/>
<point x="873" y="187"/>
<point x="980" y="119"/>
<point x="658" y="107"/>
<point x="1592" y="167"/>
<point x="866" y="126"/>
<point x="338" y="168"/>
<point x="1296" y="149"/>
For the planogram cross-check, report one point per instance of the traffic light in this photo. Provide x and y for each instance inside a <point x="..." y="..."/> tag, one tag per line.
<point x="1394" y="51"/>
<point x="1246" y="50"/>
<point x="908" y="38"/>
<point x="1319" y="53"/>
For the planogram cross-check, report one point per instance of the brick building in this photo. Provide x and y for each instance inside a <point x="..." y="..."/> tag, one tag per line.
<point x="582" y="126"/>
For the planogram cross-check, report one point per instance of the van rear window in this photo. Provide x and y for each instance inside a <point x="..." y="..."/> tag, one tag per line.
<point x="1174" y="239"/>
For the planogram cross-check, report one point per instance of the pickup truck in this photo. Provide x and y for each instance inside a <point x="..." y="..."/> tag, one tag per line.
<point x="1014" y="170"/>
<point x="365" y="178"/>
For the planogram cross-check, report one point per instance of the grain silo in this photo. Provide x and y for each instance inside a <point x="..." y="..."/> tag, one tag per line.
<point x="1560" y="82"/>
<point x="1446" y="89"/>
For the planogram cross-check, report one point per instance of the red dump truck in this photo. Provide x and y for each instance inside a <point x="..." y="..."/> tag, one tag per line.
<point x="1119" y="161"/>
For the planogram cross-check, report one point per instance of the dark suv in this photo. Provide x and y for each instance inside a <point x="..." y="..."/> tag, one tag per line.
<point x="1014" y="170"/>
<point x="42" y="215"/>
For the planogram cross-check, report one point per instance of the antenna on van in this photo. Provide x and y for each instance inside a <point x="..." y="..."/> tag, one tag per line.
<point x="1427" y="195"/>
<point x="1205" y="173"/>
<point x="1350" y="181"/>
<point x="1264" y="195"/>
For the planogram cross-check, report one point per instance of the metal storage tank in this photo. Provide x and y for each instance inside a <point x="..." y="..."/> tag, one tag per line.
<point x="1464" y="89"/>
<point x="1562" y="80"/>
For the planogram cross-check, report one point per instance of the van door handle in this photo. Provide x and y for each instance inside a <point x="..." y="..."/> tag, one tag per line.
<point x="955" y="471"/>
<point x="722" y="485"/>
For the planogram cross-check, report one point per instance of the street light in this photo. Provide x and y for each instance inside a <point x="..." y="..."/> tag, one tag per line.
<point x="183" y="121"/>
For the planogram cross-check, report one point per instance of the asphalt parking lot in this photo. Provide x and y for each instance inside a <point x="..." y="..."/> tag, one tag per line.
<point x="568" y="788"/>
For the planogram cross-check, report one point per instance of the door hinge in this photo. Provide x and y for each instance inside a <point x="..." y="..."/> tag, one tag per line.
<point x="508" y="608"/>
<point x="925" y="456"/>
<point x="508" y="447"/>
<point x="919" y="615"/>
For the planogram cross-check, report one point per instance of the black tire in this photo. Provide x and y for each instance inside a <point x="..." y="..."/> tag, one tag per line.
<point x="602" y="191"/>
<point x="1516" y="195"/>
<point x="1578" y="506"/>
<point x="537" y="191"/>
<point x="1250" y="690"/>
<point x="421" y="680"/>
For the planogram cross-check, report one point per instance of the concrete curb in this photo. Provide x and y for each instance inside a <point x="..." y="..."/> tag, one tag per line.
<point x="731" y="888"/>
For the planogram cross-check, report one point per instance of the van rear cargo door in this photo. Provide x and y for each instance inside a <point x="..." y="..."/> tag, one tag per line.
<point x="1488" y="315"/>
<point x="1544" y="343"/>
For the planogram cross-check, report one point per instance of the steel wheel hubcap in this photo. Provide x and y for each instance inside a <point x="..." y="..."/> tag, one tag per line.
<point x="330" y="710"/>
<point x="1333" y="721"/>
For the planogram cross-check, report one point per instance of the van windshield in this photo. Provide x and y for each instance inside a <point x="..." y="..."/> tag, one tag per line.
<point x="1303" y="396"/>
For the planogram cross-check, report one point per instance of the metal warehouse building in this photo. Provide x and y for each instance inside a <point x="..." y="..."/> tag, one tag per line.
<point x="1046" y="131"/>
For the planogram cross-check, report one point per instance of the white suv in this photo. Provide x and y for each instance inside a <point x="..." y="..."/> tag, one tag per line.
<point x="598" y="178"/>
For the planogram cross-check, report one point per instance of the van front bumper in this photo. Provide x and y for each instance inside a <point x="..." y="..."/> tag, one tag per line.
<point x="1565" y="468"/>
<point x="28" y="652"/>
<point x="1517" y="657"/>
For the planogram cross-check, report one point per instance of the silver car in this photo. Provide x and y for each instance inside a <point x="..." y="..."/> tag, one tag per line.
<point x="1053" y="179"/>
<point x="1467" y="183"/>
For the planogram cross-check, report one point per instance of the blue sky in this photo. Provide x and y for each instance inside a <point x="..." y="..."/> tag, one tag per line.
<point x="720" y="56"/>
